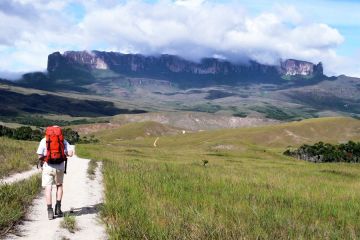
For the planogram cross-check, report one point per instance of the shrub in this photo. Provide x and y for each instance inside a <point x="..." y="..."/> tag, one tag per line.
<point x="325" y="152"/>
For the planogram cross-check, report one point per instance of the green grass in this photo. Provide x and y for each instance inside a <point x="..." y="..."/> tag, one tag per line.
<point x="273" y="112"/>
<point x="16" y="156"/>
<point x="92" y="165"/>
<point x="69" y="223"/>
<point x="135" y="130"/>
<point x="204" y="107"/>
<point x="15" y="200"/>
<point x="246" y="191"/>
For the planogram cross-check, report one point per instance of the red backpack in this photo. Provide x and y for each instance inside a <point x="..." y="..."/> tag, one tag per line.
<point x="55" y="145"/>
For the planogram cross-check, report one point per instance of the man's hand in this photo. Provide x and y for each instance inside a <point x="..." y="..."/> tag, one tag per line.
<point x="70" y="153"/>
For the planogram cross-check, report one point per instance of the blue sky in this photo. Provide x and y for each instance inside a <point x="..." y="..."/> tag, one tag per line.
<point x="261" y="30"/>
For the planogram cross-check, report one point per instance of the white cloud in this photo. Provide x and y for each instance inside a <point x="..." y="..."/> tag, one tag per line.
<point x="190" y="28"/>
<point x="11" y="75"/>
<point x="189" y="3"/>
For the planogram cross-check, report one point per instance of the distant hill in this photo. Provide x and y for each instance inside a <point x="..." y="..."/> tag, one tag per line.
<point x="15" y="103"/>
<point x="286" y="135"/>
<point x="184" y="121"/>
<point x="331" y="130"/>
<point x="291" y="90"/>
<point x="136" y="131"/>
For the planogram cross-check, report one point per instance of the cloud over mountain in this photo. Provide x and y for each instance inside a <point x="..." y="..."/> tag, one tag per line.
<point x="191" y="29"/>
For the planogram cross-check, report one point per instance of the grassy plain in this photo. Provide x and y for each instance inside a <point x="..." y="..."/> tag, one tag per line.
<point x="248" y="190"/>
<point x="16" y="156"/>
<point x="93" y="164"/>
<point x="136" y="131"/>
<point x="15" y="200"/>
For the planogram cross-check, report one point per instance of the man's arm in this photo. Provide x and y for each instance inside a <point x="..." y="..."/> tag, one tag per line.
<point x="41" y="152"/>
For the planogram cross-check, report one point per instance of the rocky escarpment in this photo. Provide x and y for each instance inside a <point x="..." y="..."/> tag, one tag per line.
<point x="293" y="67"/>
<point x="84" y="58"/>
<point x="208" y="71"/>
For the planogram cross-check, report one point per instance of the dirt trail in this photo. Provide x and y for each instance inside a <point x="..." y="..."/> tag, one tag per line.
<point x="19" y="176"/>
<point x="82" y="195"/>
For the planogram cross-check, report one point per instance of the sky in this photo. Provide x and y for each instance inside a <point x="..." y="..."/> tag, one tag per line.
<point x="326" y="31"/>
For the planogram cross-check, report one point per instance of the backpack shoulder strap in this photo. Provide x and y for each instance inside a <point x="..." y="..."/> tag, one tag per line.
<point x="48" y="149"/>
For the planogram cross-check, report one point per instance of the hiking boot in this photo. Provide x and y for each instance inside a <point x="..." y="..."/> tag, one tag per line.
<point x="58" y="211"/>
<point x="50" y="213"/>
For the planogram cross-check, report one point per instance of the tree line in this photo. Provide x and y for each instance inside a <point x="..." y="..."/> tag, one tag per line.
<point x="326" y="152"/>
<point x="27" y="133"/>
<point x="40" y="121"/>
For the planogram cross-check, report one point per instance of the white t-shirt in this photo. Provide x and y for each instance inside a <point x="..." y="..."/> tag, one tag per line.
<point x="42" y="151"/>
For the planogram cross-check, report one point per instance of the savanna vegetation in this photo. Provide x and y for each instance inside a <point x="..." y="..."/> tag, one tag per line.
<point x="326" y="152"/>
<point x="69" y="223"/>
<point x="15" y="200"/>
<point x="91" y="171"/>
<point x="40" y="121"/>
<point x="246" y="190"/>
<point x="27" y="133"/>
<point x="16" y="156"/>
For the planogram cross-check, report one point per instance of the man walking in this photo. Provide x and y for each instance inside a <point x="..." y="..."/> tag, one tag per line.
<point x="52" y="152"/>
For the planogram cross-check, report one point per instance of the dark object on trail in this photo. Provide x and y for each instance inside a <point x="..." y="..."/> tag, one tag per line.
<point x="65" y="166"/>
<point x="40" y="162"/>
<point x="205" y="162"/>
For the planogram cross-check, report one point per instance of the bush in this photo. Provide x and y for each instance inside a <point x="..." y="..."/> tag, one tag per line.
<point x="71" y="136"/>
<point x="325" y="152"/>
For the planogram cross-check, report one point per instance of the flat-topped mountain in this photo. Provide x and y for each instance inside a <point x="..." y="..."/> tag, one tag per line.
<point x="209" y="71"/>
<point x="293" y="89"/>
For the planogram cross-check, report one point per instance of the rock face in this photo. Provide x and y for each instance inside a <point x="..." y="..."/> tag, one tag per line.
<point x="84" y="58"/>
<point x="293" y="67"/>
<point x="175" y="68"/>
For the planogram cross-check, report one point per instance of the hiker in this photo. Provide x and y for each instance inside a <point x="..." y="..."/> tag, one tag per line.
<point x="53" y="151"/>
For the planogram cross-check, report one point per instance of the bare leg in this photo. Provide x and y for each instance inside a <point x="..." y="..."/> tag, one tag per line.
<point x="48" y="195"/>
<point x="59" y="192"/>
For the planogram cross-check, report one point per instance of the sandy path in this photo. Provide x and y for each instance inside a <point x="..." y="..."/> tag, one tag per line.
<point x="81" y="194"/>
<point x="19" y="176"/>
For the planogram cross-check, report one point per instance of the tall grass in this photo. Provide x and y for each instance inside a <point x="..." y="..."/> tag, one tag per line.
<point x="16" y="156"/>
<point x="246" y="191"/>
<point x="69" y="223"/>
<point x="15" y="200"/>
<point x="91" y="170"/>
